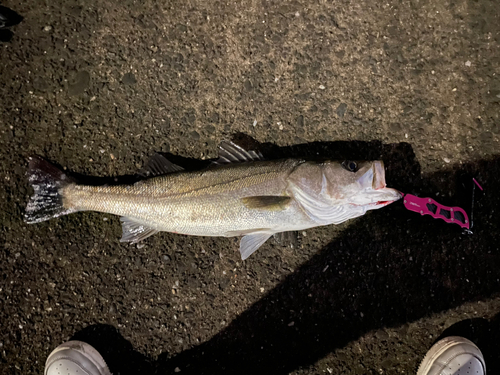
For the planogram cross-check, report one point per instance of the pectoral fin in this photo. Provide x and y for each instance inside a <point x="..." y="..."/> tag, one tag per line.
<point x="252" y="242"/>
<point x="134" y="232"/>
<point x="266" y="202"/>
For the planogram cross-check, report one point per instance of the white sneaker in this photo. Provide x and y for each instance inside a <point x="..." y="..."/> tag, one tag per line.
<point x="453" y="355"/>
<point x="75" y="358"/>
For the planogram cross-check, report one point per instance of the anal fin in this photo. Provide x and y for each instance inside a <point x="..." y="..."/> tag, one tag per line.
<point x="134" y="232"/>
<point x="251" y="242"/>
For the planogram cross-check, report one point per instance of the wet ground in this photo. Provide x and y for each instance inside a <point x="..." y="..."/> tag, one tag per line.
<point x="99" y="86"/>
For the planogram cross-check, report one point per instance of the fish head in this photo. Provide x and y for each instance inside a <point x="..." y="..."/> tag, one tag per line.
<point x="359" y="183"/>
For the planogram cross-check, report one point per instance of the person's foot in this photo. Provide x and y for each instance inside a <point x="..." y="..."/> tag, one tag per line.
<point x="453" y="355"/>
<point x="75" y="358"/>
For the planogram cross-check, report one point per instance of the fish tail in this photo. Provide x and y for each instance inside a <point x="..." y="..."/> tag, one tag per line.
<point x="48" y="182"/>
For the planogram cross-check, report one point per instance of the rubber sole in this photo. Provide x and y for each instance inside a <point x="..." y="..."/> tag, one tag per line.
<point x="445" y="345"/>
<point x="81" y="354"/>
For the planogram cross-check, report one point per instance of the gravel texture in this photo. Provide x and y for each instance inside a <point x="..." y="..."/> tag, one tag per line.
<point x="99" y="86"/>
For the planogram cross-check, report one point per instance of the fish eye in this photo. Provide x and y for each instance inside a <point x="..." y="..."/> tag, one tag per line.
<point x="350" y="165"/>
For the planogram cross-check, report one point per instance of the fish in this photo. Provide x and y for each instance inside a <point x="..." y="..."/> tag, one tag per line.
<point x="239" y="194"/>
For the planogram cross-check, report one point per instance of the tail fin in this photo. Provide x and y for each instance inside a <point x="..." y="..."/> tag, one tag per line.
<point x="47" y="181"/>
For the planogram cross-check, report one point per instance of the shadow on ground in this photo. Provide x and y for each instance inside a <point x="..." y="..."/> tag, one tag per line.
<point x="386" y="269"/>
<point x="8" y="18"/>
<point x="117" y="352"/>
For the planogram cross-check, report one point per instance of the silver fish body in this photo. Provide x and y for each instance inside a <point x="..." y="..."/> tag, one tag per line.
<point x="248" y="197"/>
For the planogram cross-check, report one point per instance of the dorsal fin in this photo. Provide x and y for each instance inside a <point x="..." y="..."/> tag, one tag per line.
<point x="158" y="165"/>
<point x="230" y="152"/>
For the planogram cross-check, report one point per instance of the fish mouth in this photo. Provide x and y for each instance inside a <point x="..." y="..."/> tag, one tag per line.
<point x="379" y="184"/>
<point x="373" y="199"/>
<point x="394" y="196"/>
<point x="385" y="203"/>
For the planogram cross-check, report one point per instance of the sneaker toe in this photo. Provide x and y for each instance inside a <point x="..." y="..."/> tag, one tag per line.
<point x="75" y="358"/>
<point x="463" y="364"/>
<point x="453" y="355"/>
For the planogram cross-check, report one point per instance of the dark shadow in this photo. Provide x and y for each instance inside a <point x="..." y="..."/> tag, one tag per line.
<point x="8" y="18"/>
<point x="386" y="269"/>
<point x="118" y="353"/>
<point x="6" y="35"/>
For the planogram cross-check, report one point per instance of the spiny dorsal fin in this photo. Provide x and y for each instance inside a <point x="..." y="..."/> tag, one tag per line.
<point x="266" y="202"/>
<point x="158" y="165"/>
<point x="134" y="232"/>
<point x="230" y="152"/>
